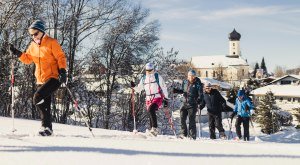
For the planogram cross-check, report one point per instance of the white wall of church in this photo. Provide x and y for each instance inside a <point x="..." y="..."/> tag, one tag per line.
<point x="234" y="48"/>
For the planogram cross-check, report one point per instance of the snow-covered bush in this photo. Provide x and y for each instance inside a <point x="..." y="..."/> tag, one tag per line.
<point x="285" y="118"/>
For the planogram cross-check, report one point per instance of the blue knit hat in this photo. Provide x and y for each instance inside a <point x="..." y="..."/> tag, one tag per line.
<point x="241" y="93"/>
<point x="192" y="72"/>
<point x="38" y="25"/>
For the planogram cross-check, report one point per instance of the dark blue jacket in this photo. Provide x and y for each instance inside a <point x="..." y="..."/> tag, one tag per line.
<point x="214" y="102"/>
<point x="192" y="92"/>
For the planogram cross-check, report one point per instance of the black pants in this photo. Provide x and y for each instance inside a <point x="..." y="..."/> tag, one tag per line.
<point x="152" y="114"/>
<point x="42" y="100"/>
<point x="215" y="121"/>
<point x="188" y="111"/>
<point x="245" y="121"/>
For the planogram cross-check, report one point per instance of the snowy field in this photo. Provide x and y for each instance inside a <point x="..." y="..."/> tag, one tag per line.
<point x="75" y="145"/>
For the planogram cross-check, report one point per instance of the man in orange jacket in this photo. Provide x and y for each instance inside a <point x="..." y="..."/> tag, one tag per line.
<point x="50" y="70"/>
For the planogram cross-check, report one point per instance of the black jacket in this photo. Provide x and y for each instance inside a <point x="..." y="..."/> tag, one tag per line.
<point x="192" y="92"/>
<point x="214" y="102"/>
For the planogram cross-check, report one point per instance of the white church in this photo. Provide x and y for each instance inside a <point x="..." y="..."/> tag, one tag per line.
<point x="231" y="68"/>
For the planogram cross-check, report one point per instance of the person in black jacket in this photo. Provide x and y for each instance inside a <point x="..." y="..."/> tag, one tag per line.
<point x="214" y="102"/>
<point x="192" y="91"/>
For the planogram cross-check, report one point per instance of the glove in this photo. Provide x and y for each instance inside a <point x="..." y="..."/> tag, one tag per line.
<point x="15" y="51"/>
<point x="132" y="84"/>
<point x="198" y="101"/>
<point x="174" y="90"/>
<point x="232" y="115"/>
<point x="62" y="76"/>
<point x="252" y="112"/>
<point x="165" y="102"/>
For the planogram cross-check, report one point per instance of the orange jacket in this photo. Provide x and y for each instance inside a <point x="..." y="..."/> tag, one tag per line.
<point x="48" y="58"/>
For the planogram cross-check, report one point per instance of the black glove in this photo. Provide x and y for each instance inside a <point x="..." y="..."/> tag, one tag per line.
<point x="132" y="84"/>
<point x="198" y="101"/>
<point x="15" y="51"/>
<point x="165" y="102"/>
<point x="232" y="115"/>
<point x="62" y="76"/>
<point x="224" y="107"/>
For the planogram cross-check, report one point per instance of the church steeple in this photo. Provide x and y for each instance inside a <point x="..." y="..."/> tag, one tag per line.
<point x="234" y="44"/>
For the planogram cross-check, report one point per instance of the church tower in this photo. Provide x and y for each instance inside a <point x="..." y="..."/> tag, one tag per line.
<point x="234" y="44"/>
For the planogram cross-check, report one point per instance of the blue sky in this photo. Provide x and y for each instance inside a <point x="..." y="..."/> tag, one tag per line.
<point x="269" y="28"/>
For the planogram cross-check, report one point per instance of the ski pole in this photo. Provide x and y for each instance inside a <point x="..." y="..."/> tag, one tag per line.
<point x="78" y="109"/>
<point x="12" y="91"/>
<point x="252" y="126"/>
<point x="133" y="112"/>
<point x="199" y="120"/>
<point x="170" y="120"/>
<point x="230" y="127"/>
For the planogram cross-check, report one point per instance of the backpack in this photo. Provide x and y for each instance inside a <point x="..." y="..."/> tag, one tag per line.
<point x="156" y="80"/>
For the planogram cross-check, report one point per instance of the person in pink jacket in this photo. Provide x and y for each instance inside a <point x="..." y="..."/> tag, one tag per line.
<point x="156" y="93"/>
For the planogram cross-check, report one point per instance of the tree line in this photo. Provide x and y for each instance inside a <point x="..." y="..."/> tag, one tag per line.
<point x="106" y="43"/>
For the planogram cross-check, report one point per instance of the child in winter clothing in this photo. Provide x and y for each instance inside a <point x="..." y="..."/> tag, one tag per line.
<point x="193" y="92"/>
<point x="50" y="61"/>
<point x="156" y="93"/>
<point x="244" y="109"/>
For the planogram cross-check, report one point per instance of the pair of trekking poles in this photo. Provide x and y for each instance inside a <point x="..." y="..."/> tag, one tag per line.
<point x="13" y="97"/>
<point x="166" y="110"/>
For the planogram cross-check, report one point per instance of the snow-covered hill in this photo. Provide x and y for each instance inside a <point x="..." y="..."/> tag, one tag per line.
<point x="74" y="145"/>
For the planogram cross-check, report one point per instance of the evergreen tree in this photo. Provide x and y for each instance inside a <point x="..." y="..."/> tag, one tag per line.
<point x="263" y="66"/>
<point x="267" y="115"/>
<point x="297" y="115"/>
<point x="255" y="69"/>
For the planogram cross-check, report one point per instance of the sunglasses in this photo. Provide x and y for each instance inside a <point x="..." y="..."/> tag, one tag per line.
<point x="34" y="34"/>
<point x="208" y="88"/>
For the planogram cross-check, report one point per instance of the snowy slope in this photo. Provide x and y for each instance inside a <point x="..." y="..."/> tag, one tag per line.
<point x="74" y="145"/>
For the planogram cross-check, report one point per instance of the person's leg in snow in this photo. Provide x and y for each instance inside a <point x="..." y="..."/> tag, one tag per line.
<point x="42" y="100"/>
<point x="211" y="123"/>
<point x="238" y="123"/>
<point x="219" y="126"/>
<point x="246" y="128"/>
<point x="153" y="119"/>
<point x="192" y="121"/>
<point x="183" y="117"/>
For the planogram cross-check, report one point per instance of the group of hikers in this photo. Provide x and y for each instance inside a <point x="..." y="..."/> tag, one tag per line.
<point x="195" y="96"/>
<point x="50" y="62"/>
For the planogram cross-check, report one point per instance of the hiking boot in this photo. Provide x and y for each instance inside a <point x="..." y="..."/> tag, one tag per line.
<point x="154" y="131"/>
<point x="223" y="135"/>
<point x="45" y="131"/>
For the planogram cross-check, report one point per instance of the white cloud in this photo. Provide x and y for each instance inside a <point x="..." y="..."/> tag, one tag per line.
<point x="185" y="13"/>
<point x="243" y="11"/>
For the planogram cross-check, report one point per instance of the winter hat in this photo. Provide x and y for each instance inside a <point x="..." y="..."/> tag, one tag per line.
<point x="38" y="25"/>
<point x="192" y="73"/>
<point x="241" y="93"/>
<point x="207" y="84"/>
<point x="149" y="66"/>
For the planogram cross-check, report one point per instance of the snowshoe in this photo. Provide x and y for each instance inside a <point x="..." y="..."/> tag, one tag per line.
<point x="237" y="138"/>
<point x="223" y="136"/>
<point x="154" y="131"/>
<point x="181" y="136"/>
<point x="45" y="131"/>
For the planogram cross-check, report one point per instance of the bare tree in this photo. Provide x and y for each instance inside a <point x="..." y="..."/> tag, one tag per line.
<point x="279" y="71"/>
<point x="219" y="72"/>
<point x="128" y="38"/>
